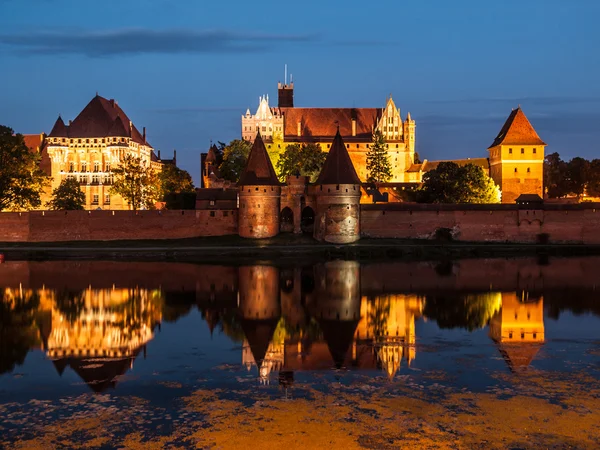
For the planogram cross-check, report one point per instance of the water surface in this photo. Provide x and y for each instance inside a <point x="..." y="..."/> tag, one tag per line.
<point x="474" y="353"/>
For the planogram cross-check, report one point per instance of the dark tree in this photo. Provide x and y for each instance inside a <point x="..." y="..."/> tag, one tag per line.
<point x="593" y="179"/>
<point x="451" y="183"/>
<point x="306" y="160"/>
<point x="379" y="167"/>
<point x="235" y="156"/>
<point x="578" y="171"/>
<point x="556" y="182"/>
<point x="174" y="180"/>
<point x="21" y="179"/>
<point x="67" y="196"/>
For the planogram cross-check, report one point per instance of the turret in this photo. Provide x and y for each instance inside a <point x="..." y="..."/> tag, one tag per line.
<point x="286" y="95"/>
<point x="409" y="135"/>
<point x="259" y="195"/>
<point x="337" y="191"/>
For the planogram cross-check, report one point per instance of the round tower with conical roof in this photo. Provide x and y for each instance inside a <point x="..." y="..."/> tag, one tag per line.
<point x="259" y="195"/>
<point x="337" y="191"/>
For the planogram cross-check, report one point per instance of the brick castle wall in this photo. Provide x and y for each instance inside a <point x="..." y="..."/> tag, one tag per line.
<point x="54" y="226"/>
<point x="478" y="223"/>
<point x="484" y="223"/>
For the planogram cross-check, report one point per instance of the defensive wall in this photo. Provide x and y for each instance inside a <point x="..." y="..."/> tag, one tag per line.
<point x="555" y="223"/>
<point x="578" y="223"/>
<point x="54" y="226"/>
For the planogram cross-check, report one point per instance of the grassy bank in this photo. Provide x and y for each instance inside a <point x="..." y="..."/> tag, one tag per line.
<point x="234" y="248"/>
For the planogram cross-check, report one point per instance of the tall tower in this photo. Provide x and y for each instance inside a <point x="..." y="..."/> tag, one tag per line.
<point x="259" y="195"/>
<point x="285" y="95"/>
<point x="517" y="158"/>
<point x="409" y="135"/>
<point x="337" y="192"/>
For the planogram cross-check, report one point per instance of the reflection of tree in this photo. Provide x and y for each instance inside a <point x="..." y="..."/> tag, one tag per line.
<point x="232" y="326"/>
<point x="70" y="304"/>
<point x="18" y="333"/>
<point x="471" y="311"/>
<point x="379" y="315"/>
<point x="577" y="301"/>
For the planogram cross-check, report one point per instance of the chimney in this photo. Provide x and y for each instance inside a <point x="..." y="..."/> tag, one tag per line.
<point x="130" y="127"/>
<point x="144" y="136"/>
<point x="174" y="157"/>
<point x="70" y="122"/>
<point x="112" y="102"/>
<point x="353" y="126"/>
<point x="158" y="154"/>
<point x="299" y="128"/>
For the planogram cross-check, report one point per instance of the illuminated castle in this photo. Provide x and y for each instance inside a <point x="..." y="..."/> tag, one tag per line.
<point x="91" y="146"/>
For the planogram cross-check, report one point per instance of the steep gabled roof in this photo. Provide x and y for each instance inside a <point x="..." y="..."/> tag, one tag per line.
<point x="118" y="128"/>
<point x="319" y="123"/>
<point x="259" y="334"/>
<point x="339" y="335"/>
<point x="98" y="118"/>
<point x="517" y="130"/>
<point x="338" y="167"/>
<point x="212" y="154"/>
<point x="259" y="170"/>
<point x="59" y="129"/>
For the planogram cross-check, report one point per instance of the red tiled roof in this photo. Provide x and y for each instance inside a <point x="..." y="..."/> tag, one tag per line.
<point x="59" y="129"/>
<point x="212" y="154"/>
<point x="323" y="122"/>
<point x="34" y="141"/>
<point x="259" y="170"/>
<point x="517" y="130"/>
<point x="338" y="167"/>
<point x="484" y="163"/>
<point x="99" y="119"/>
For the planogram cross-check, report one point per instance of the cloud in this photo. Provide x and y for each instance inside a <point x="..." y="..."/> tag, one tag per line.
<point x="542" y="101"/>
<point x="135" y="41"/>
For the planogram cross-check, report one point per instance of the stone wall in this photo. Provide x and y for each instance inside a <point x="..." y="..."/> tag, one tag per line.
<point x="53" y="226"/>
<point x="484" y="223"/>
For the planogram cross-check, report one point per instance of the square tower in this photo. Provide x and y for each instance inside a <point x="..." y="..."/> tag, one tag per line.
<point x="517" y="158"/>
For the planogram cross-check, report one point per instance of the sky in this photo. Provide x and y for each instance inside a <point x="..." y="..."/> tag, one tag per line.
<point x="188" y="69"/>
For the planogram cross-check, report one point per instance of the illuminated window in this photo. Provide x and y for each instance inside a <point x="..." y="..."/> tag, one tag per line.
<point x="95" y="199"/>
<point x="96" y="166"/>
<point x="71" y="167"/>
<point x="211" y="203"/>
<point x="107" y="199"/>
<point x="84" y="167"/>
<point x="107" y="167"/>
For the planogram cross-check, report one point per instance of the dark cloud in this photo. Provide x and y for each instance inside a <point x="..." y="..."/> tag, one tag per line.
<point x="144" y="41"/>
<point x="541" y="101"/>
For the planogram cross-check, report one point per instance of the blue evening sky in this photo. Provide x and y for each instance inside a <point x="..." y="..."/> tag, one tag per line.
<point x="188" y="69"/>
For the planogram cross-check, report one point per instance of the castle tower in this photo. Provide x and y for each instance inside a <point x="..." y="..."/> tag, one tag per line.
<point x="409" y="135"/>
<point x="285" y="95"/>
<point x="517" y="158"/>
<point x="259" y="195"/>
<point x="210" y="167"/>
<point x="337" y="191"/>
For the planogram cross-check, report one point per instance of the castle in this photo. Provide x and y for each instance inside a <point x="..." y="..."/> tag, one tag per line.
<point x="90" y="146"/>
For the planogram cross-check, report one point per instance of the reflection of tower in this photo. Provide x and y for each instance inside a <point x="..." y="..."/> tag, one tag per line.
<point x="388" y="324"/>
<point x="99" y="333"/>
<point x="519" y="329"/>
<point x="291" y="297"/>
<point x="259" y="310"/>
<point x="336" y="305"/>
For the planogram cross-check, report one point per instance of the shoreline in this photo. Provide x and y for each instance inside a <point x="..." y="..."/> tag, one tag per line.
<point x="232" y="248"/>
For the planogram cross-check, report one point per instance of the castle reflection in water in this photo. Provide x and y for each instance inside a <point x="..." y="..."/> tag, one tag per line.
<point x="313" y="318"/>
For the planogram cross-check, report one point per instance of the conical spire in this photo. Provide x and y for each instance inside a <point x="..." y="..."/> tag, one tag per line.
<point x="212" y="154"/>
<point x="59" y="129"/>
<point x="517" y="130"/>
<point x="338" y="167"/>
<point x="259" y="170"/>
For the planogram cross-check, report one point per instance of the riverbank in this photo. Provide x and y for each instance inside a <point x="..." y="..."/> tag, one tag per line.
<point x="282" y="247"/>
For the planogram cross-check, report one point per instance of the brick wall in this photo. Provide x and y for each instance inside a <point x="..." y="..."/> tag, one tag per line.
<point x="484" y="223"/>
<point x="53" y="226"/>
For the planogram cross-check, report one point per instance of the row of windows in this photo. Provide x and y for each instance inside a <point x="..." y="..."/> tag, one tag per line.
<point x="95" y="179"/>
<point x="528" y="170"/>
<point x="88" y="141"/>
<point x="510" y="150"/>
<point x="84" y="167"/>
<point x="95" y="199"/>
